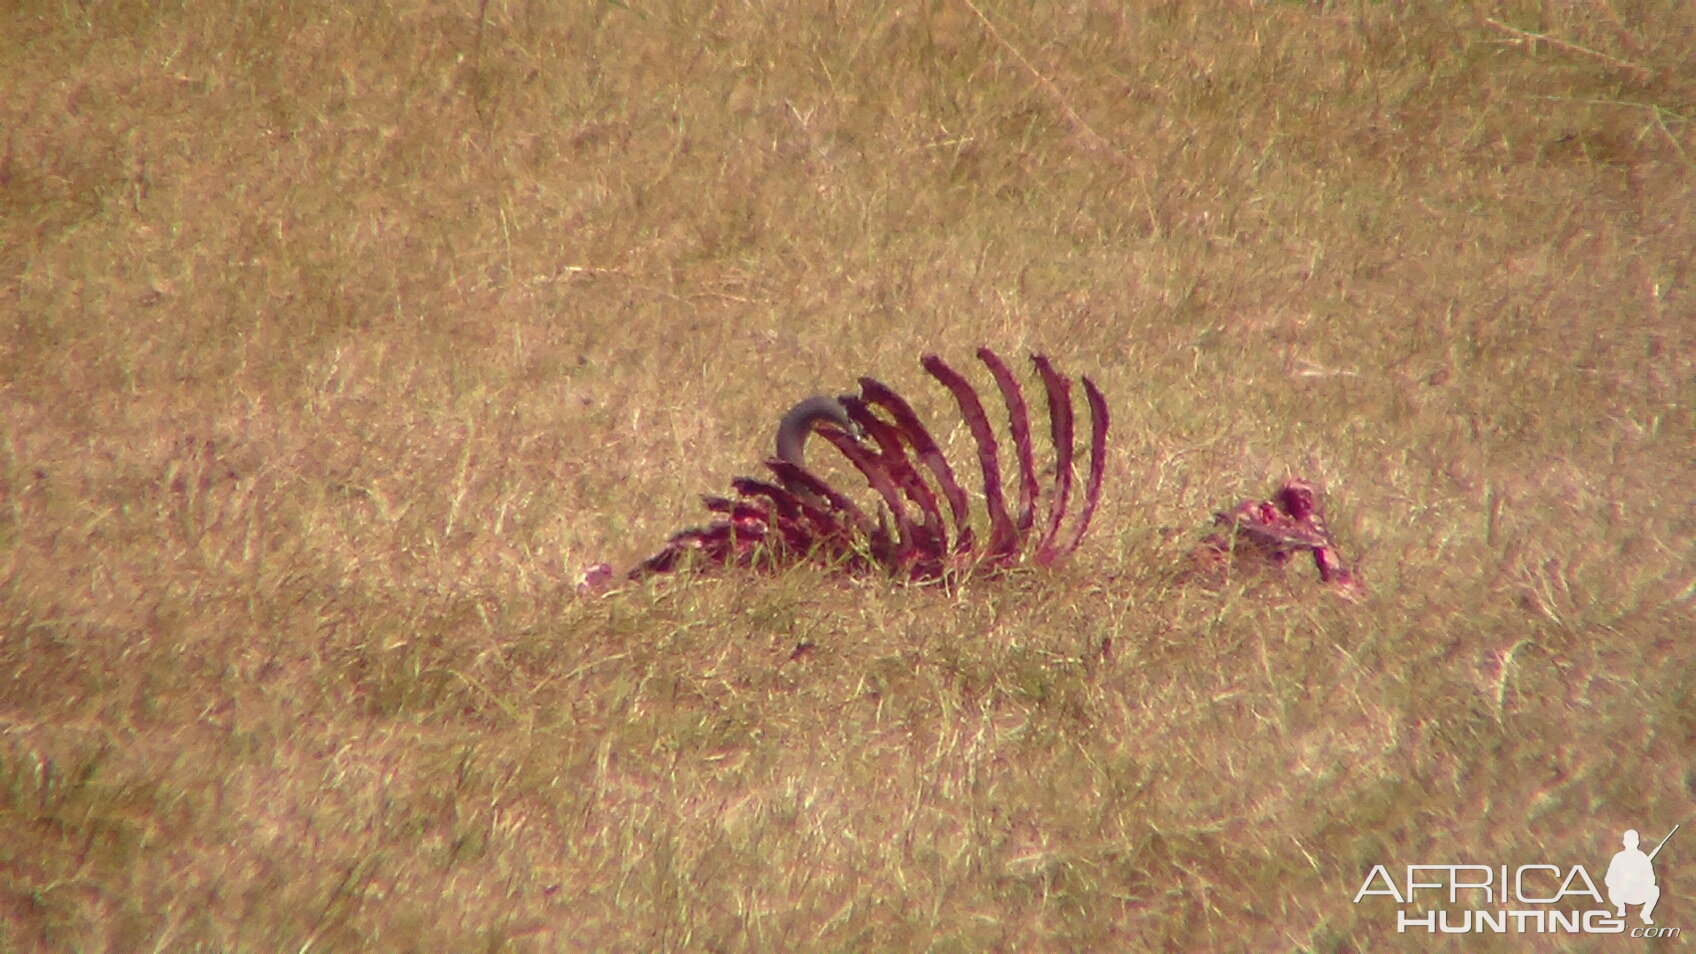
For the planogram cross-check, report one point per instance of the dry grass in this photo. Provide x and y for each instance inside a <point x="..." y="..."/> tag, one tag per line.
<point x="338" y="338"/>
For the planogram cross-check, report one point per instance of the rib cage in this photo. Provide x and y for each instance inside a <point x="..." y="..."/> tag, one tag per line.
<point x="801" y="518"/>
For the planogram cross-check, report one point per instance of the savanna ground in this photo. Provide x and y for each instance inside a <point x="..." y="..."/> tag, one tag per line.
<point x="338" y="339"/>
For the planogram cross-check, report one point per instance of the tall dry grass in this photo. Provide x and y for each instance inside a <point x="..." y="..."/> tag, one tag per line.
<point x="338" y="338"/>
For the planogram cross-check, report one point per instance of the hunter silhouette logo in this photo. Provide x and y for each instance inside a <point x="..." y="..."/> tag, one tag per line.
<point x="1631" y="876"/>
<point x="1527" y="899"/>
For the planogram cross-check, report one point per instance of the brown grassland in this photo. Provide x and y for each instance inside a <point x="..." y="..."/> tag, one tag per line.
<point x="339" y="337"/>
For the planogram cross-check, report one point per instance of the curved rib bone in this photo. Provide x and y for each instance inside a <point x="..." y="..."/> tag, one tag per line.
<point x="1019" y="424"/>
<point x="1059" y="393"/>
<point x="1098" y="423"/>
<point x="1003" y="537"/>
<point x="913" y="432"/>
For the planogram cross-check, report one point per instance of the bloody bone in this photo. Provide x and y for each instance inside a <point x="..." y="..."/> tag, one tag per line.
<point x="1276" y="529"/>
<point x="798" y="517"/>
